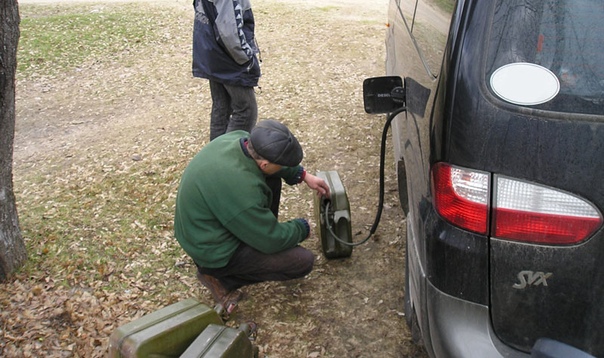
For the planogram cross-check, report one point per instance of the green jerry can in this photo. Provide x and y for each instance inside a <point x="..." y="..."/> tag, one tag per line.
<point x="218" y="341"/>
<point x="333" y="216"/>
<point x="166" y="332"/>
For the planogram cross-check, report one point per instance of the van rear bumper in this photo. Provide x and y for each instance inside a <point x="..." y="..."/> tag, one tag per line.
<point x="463" y="329"/>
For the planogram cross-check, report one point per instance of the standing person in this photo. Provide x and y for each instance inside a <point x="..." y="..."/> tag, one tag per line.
<point x="225" y="52"/>
<point x="226" y="215"/>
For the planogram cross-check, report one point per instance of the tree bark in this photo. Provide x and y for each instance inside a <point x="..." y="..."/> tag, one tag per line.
<point x="12" y="247"/>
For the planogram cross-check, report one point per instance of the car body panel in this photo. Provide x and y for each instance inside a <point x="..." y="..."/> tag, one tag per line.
<point x="521" y="292"/>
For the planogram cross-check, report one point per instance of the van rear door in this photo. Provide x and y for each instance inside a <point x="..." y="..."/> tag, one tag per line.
<point x="547" y="242"/>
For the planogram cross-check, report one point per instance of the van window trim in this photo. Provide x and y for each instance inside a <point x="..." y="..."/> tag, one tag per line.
<point x="415" y="44"/>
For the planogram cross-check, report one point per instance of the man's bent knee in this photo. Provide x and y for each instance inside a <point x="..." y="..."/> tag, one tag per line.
<point x="302" y="262"/>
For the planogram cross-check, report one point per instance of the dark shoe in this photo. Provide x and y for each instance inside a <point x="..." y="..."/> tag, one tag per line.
<point x="211" y="283"/>
<point x="227" y="299"/>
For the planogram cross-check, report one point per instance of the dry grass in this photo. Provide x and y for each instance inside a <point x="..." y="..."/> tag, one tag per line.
<point x="101" y="144"/>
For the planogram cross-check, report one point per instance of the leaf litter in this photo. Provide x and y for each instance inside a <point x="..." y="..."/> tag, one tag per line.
<point x="99" y="150"/>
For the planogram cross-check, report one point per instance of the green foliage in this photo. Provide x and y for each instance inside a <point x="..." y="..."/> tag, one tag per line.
<point x="99" y="219"/>
<point x="446" y="5"/>
<point x="57" y="38"/>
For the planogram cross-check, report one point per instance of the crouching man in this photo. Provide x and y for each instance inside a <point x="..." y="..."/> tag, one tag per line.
<point x="227" y="206"/>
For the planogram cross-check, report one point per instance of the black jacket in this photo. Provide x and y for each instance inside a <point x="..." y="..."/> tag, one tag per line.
<point x="224" y="47"/>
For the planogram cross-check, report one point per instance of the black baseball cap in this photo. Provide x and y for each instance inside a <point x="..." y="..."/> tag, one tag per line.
<point x="274" y="142"/>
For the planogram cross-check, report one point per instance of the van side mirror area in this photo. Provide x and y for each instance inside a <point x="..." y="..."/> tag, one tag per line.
<point x="383" y="94"/>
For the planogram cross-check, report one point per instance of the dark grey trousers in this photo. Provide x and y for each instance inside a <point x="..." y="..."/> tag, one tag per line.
<point x="249" y="266"/>
<point x="233" y="108"/>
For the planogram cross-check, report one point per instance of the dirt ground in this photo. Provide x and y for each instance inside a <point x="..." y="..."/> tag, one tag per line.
<point x="316" y="54"/>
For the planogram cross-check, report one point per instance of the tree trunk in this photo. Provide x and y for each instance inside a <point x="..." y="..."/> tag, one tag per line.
<point x="12" y="247"/>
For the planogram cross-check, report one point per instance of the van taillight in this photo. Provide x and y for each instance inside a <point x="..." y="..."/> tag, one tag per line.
<point x="532" y="213"/>
<point x="521" y="211"/>
<point x="461" y="196"/>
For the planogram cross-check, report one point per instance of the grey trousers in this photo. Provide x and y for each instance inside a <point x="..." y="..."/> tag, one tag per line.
<point x="233" y="108"/>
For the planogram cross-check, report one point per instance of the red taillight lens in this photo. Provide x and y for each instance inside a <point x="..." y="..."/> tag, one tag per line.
<point x="532" y="213"/>
<point x="521" y="211"/>
<point x="461" y="196"/>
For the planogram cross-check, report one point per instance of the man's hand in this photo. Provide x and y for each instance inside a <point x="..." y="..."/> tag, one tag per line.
<point x="317" y="184"/>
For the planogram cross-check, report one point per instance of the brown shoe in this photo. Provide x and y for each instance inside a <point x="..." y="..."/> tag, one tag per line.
<point x="231" y="300"/>
<point x="227" y="299"/>
<point x="219" y="293"/>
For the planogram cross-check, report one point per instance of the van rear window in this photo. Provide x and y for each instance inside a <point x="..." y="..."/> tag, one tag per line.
<point x="565" y="37"/>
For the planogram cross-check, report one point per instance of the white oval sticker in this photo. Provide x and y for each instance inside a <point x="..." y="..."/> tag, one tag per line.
<point x="525" y="83"/>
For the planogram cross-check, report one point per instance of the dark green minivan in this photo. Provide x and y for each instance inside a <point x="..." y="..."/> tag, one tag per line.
<point x="500" y="157"/>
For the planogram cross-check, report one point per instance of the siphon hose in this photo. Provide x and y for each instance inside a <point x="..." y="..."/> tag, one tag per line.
<point x="378" y="215"/>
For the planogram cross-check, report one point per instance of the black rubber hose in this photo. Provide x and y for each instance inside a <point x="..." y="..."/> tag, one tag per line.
<point x="378" y="215"/>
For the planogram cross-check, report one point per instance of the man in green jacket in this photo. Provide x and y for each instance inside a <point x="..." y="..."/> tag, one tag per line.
<point x="227" y="204"/>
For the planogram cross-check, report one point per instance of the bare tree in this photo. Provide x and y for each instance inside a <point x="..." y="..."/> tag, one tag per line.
<point x="12" y="247"/>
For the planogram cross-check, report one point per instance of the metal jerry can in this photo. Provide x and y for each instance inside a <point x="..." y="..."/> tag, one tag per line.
<point x="166" y="332"/>
<point x="333" y="216"/>
<point x="218" y="341"/>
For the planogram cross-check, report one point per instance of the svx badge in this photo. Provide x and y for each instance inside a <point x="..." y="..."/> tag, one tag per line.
<point x="531" y="278"/>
